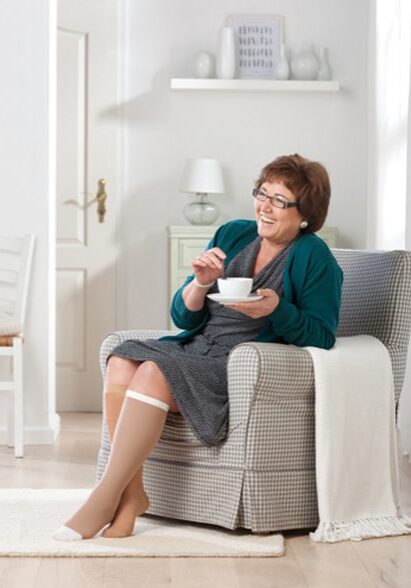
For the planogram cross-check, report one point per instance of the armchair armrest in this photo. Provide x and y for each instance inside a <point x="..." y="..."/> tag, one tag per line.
<point x="272" y="407"/>
<point x="271" y="371"/>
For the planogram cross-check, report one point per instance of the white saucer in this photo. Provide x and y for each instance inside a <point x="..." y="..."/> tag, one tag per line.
<point x="226" y="299"/>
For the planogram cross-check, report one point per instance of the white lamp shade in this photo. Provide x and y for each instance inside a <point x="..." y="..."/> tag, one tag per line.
<point x="202" y="176"/>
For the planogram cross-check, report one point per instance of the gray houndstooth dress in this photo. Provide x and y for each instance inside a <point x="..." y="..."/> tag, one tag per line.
<point x="196" y="370"/>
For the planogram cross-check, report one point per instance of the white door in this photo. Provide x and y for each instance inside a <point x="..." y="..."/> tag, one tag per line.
<point x="88" y="133"/>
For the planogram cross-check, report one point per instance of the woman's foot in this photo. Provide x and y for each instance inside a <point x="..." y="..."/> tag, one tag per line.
<point x="134" y="502"/>
<point x="98" y="510"/>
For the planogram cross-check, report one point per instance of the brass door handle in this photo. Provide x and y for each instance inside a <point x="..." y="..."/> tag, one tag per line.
<point x="101" y="198"/>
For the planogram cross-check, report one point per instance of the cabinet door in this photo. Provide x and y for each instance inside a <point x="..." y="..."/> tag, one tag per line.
<point x="188" y="250"/>
<point x="329" y="235"/>
<point x="182" y="252"/>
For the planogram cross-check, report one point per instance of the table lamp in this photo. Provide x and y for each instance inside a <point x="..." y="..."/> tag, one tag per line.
<point x="202" y="177"/>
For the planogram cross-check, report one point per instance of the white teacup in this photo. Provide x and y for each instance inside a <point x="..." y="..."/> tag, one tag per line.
<point x="235" y="287"/>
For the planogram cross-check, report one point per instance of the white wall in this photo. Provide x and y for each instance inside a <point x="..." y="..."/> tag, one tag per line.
<point x="27" y="189"/>
<point x="243" y="130"/>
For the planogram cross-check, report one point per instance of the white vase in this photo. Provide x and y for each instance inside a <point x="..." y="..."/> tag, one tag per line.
<point x="204" y="65"/>
<point x="225" y="66"/>
<point x="325" y="72"/>
<point x="305" y="65"/>
<point x="282" y="69"/>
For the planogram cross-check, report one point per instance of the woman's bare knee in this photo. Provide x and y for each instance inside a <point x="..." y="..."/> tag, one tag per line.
<point x="120" y="370"/>
<point x="150" y="380"/>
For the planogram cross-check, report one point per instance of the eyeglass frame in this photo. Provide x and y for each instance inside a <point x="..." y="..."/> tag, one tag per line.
<point x="257" y="191"/>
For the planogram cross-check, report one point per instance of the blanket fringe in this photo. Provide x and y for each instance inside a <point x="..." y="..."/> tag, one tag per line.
<point x="356" y="530"/>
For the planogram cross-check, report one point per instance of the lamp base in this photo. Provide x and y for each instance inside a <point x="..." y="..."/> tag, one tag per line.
<point x="201" y="213"/>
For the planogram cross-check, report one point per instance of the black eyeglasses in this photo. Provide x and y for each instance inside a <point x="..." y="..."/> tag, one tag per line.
<point x="277" y="200"/>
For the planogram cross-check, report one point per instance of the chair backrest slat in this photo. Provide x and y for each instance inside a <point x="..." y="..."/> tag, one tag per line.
<point x="7" y="307"/>
<point x="10" y="243"/>
<point x="10" y="261"/>
<point x="16" y="255"/>
<point x="8" y="277"/>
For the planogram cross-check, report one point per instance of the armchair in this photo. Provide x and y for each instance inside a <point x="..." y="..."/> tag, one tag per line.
<point x="262" y="476"/>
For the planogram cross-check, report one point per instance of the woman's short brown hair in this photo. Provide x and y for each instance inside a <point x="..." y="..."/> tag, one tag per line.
<point x="307" y="180"/>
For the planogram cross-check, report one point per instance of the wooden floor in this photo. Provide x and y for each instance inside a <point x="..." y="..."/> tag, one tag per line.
<point x="71" y="462"/>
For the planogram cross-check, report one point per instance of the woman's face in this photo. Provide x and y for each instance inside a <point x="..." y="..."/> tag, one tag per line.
<point x="277" y="225"/>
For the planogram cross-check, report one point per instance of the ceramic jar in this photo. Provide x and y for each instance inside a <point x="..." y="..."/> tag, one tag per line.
<point x="204" y="65"/>
<point x="225" y="66"/>
<point x="305" y="65"/>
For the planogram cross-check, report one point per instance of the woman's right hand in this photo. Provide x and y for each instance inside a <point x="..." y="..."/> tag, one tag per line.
<point x="209" y="265"/>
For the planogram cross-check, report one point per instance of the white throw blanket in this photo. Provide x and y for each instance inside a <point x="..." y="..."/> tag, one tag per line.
<point x="356" y="448"/>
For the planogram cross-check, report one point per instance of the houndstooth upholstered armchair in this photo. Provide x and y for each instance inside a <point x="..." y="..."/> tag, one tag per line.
<point x="262" y="476"/>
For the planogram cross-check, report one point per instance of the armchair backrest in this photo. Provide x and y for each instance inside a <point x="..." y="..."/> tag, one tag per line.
<point x="376" y="297"/>
<point x="376" y="300"/>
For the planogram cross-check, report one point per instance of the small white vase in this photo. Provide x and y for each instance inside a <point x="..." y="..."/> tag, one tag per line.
<point x="225" y="66"/>
<point x="204" y="65"/>
<point x="305" y="65"/>
<point x="282" y="69"/>
<point x="325" y="72"/>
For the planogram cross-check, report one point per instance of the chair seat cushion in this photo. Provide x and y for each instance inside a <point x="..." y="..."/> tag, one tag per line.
<point x="176" y="429"/>
<point x="9" y="325"/>
<point x="179" y="444"/>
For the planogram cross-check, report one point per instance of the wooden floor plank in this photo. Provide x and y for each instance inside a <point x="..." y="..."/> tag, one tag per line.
<point x="70" y="572"/>
<point x="16" y="572"/>
<point x="129" y="572"/>
<point x="270" y="572"/>
<point x="388" y="560"/>
<point x="326" y="565"/>
<point x="203" y="572"/>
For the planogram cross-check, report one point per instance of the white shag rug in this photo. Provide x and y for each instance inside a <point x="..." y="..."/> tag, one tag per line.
<point x="29" y="517"/>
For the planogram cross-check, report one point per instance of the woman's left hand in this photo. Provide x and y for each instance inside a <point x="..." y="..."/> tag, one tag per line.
<point x="259" y="308"/>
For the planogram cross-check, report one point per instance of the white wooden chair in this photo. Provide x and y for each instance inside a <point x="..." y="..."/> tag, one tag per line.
<point x="16" y="254"/>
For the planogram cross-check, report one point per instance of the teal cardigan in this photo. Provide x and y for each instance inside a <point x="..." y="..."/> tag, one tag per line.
<point x="308" y="311"/>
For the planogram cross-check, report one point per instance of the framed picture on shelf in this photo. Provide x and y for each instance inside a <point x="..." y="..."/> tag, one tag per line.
<point x="257" y="44"/>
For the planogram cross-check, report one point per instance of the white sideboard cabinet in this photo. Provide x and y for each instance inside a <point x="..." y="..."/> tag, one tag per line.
<point x="187" y="241"/>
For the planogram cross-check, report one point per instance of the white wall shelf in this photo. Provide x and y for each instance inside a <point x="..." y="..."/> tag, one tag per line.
<point x="254" y="85"/>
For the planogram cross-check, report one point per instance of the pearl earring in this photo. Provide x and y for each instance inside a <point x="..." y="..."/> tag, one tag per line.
<point x="303" y="224"/>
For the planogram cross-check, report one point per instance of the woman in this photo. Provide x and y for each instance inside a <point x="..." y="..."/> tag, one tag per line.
<point x="300" y="284"/>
